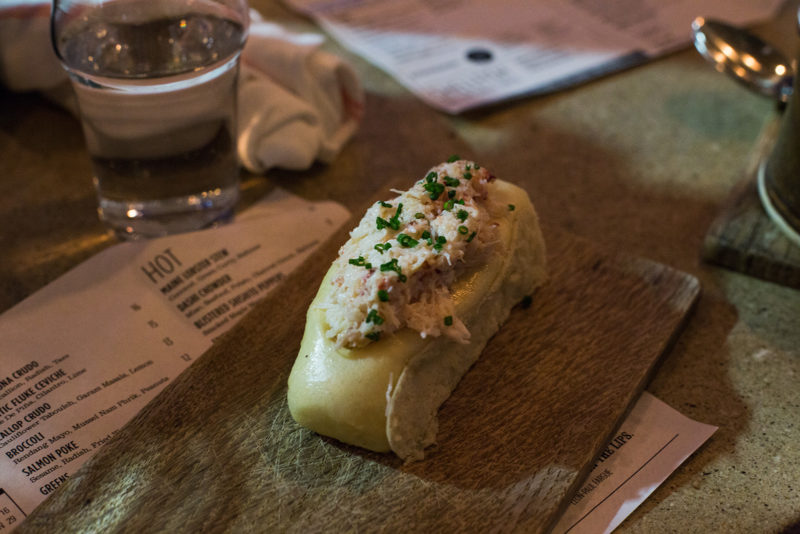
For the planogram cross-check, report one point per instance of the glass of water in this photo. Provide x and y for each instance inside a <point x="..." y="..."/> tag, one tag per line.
<point x="155" y="82"/>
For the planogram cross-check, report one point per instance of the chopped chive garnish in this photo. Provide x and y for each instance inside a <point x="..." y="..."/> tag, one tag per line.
<point x="373" y="317"/>
<point x="360" y="262"/>
<point x="383" y="247"/>
<point x="448" y="205"/>
<point x="451" y="193"/>
<point x="431" y="177"/>
<point x="384" y="204"/>
<point x="383" y="295"/>
<point x="406" y="241"/>
<point x="419" y="215"/>
<point x="374" y="336"/>
<point x="462" y="215"/>
<point x="448" y="321"/>
<point x="434" y="189"/>
<point x="467" y="175"/>
<point x="392" y="266"/>
<point x="467" y="166"/>
<point x="511" y="207"/>
<point x="426" y="235"/>
<point x="463" y="230"/>
<point x="471" y="236"/>
<point x="451" y="182"/>
<point x="440" y="241"/>
<point x="393" y="222"/>
<point x="454" y="157"/>
<point x="460" y="201"/>
<point x="476" y="167"/>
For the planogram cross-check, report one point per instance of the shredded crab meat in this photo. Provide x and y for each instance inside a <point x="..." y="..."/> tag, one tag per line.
<point x="400" y="262"/>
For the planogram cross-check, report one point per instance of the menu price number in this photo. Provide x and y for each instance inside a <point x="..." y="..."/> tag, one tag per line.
<point x="7" y="518"/>
<point x="10" y="513"/>
<point x="166" y="340"/>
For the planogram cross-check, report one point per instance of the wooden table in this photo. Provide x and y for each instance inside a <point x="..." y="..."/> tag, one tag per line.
<point x="639" y="162"/>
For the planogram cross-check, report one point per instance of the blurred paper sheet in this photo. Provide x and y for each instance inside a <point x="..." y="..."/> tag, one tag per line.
<point x="460" y="54"/>
<point x="652" y="443"/>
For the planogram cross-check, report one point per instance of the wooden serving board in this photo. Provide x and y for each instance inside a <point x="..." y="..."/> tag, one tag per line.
<point x="217" y="450"/>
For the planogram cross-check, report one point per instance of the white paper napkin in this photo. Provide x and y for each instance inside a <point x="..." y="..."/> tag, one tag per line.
<point x="297" y="102"/>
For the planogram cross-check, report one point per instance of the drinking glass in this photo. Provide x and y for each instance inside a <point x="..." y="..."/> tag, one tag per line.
<point x="779" y="175"/>
<point x="155" y="82"/>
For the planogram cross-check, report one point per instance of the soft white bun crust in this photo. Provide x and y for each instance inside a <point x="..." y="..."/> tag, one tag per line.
<point x="385" y="396"/>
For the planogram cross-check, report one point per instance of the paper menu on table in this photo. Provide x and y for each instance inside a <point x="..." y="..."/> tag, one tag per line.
<point x="460" y="54"/>
<point x="84" y="354"/>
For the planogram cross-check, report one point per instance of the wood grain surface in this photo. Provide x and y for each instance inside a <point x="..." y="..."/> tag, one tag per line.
<point x="743" y="238"/>
<point x="216" y="451"/>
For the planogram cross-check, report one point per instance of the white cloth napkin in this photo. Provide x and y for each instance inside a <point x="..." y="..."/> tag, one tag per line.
<point x="297" y="102"/>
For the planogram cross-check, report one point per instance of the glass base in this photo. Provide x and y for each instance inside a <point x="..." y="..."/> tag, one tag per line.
<point x="157" y="218"/>
<point x="772" y="210"/>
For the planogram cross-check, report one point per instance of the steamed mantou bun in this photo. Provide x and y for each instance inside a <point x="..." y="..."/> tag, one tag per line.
<point x="424" y="281"/>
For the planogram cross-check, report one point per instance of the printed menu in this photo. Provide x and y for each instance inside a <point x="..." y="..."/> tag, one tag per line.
<point x="84" y="354"/>
<point x="459" y="54"/>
